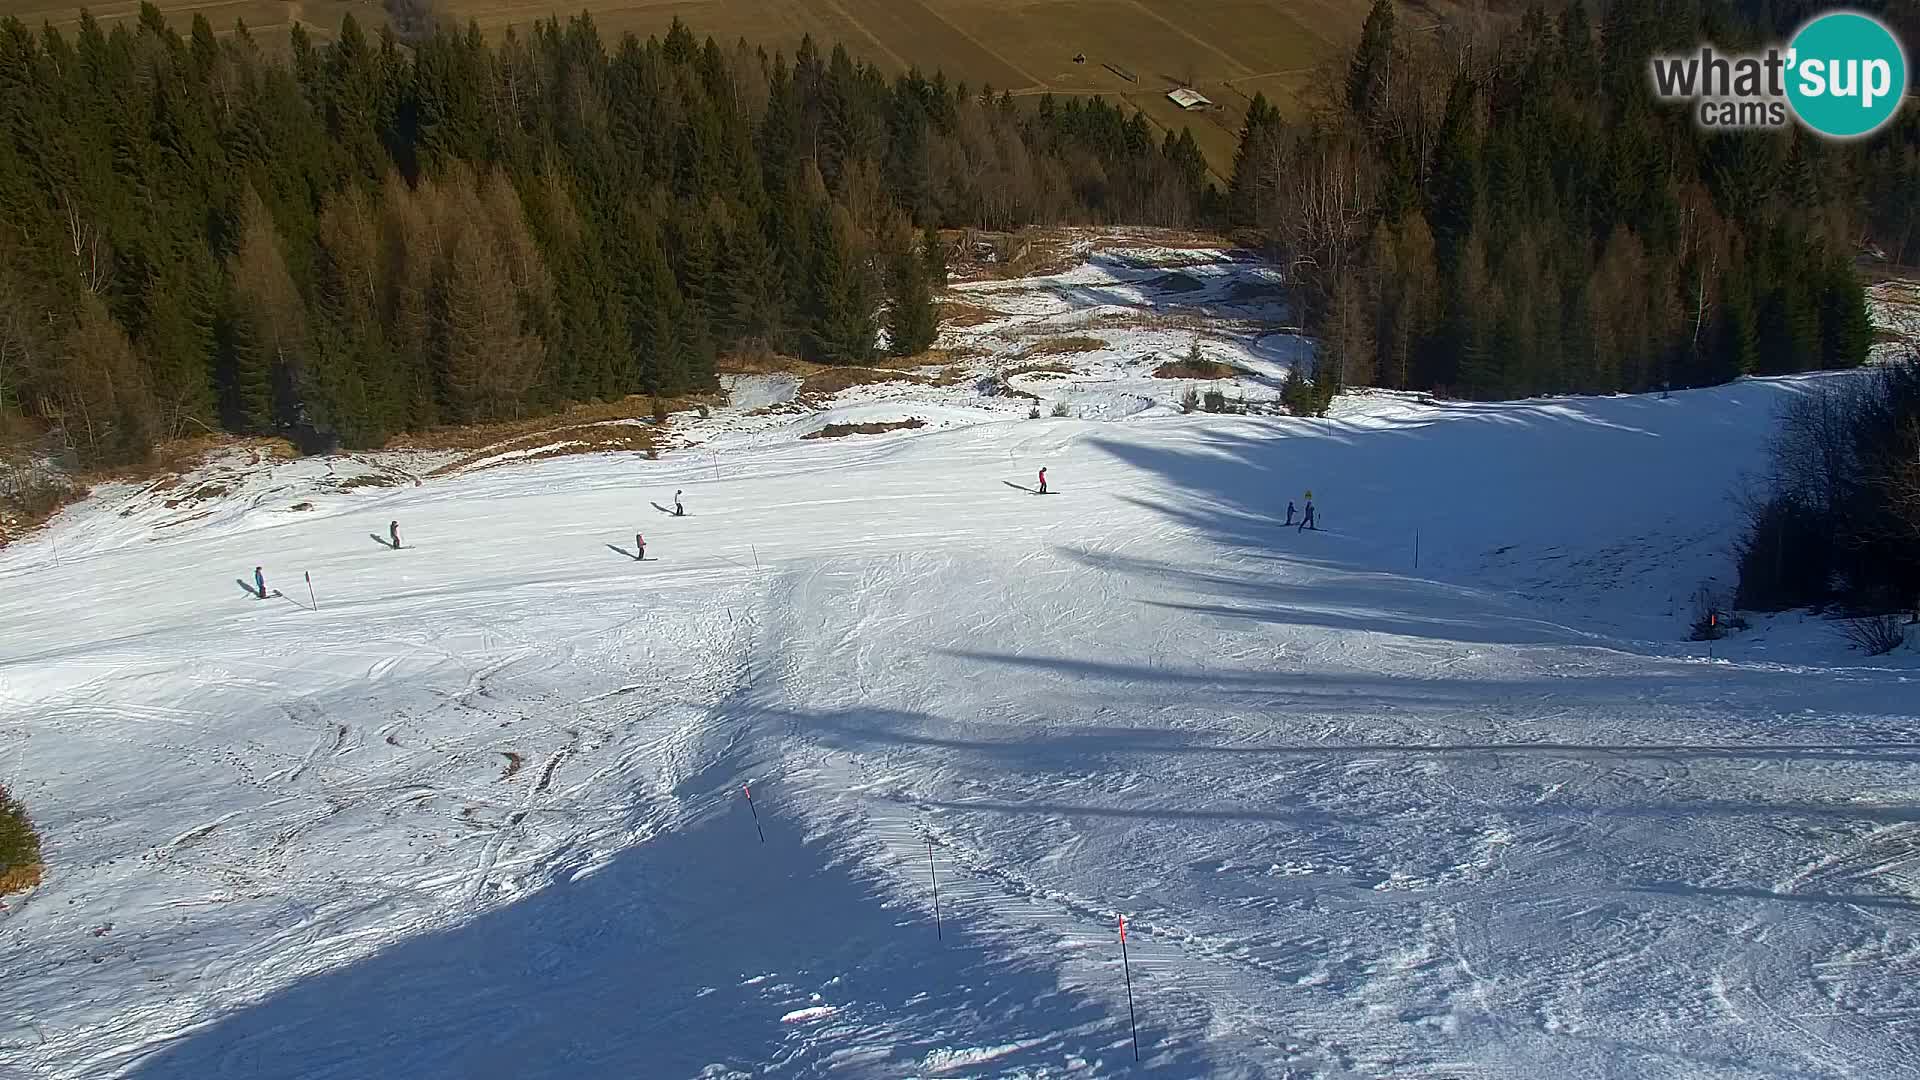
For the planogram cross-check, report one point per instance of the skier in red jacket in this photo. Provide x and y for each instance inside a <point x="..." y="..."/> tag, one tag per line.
<point x="1043" y="481"/>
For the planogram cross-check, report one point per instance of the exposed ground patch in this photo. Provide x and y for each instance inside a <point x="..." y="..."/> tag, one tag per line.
<point x="835" y="431"/>
<point x="1198" y="369"/>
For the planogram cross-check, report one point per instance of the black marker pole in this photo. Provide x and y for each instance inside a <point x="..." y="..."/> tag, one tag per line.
<point x="937" y="933"/>
<point x="756" y="813"/>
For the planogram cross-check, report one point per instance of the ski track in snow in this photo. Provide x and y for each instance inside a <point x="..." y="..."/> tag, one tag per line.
<point x="1490" y="817"/>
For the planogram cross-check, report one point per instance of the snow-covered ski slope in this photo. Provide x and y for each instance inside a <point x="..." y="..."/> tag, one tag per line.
<point x="480" y="813"/>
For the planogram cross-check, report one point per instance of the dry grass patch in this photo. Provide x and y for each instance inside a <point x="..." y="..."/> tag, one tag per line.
<point x="762" y="363"/>
<point x="835" y="431"/>
<point x="484" y="436"/>
<point x="963" y="314"/>
<point x="826" y="381"/>
<point x="603" y="437"/>
<point x="368" y="480"/>
<point x="1068" y="343"/>
<point x="1198" y="369"/>
<point x="20" y="866"/>
<point x="1051" y="369"/>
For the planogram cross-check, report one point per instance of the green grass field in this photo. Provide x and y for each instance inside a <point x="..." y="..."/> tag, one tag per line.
<point x="1228" y="49"/>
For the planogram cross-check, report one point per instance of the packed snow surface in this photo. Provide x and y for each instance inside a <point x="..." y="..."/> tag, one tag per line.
<point x="478" y="807"/>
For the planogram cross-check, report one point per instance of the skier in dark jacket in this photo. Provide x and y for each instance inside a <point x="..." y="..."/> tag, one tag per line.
<point x="1307" y="521"/>
<point x="1043" y="481"/>
<point x="639" y="547"/>
<point x="259" y="584"/>
<point x="1289" y="520"/>
<point x="393" y="530"/>
<point x="678" y="510"/>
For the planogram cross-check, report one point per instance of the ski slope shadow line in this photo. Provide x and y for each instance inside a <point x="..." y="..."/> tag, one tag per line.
<point x="1687" y="810"/>
<point x="1110" y="741"/>
<point x="1681" y="888"/>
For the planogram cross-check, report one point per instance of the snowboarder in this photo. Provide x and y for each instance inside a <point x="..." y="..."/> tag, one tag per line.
<point x="678" y="510"/>
<point x="1043" y="481"/>
<point x="259" y="584"/>
<point x="639" y="548"/>
<point x="1289" y="520"/>
<point x="393" y="530"/>
<point x="1306" y="522"/>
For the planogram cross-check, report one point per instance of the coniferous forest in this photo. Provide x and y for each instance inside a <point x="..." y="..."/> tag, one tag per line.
<point x="377" y="235"/>
<point x="1499" y="212"/>
<point x="373" y="236"/>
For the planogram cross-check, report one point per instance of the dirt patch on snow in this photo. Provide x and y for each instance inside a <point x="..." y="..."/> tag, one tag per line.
<point x="1198" y="369"/>
<point x="835" y="431"/>
<point x="828" y="381"/>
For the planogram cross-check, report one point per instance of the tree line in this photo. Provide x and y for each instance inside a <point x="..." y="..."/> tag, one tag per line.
<point x="375" y="235"/>
<point x="1502" y="209"/>
<point x="1837" y="520"/>
<point x="372" y="236"/>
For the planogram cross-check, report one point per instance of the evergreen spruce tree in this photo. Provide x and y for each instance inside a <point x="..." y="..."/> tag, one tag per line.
<point x="1846" y="331"/>
<point x="1369" y="74"/>
<point x="912" y="320"/>
<point x="841" y="307"/>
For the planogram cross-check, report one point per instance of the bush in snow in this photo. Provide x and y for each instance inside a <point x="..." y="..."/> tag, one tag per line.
<point x="1190" y="400"/>
<point x="660" y="412"/>
<point x="19" y="847"/>
<point x="1875" y="635"/>
<point x="1841" y="522"/>
<point x="1033" y="413"/>
<point x="1059" y="408"/>
<point x="1216" y="402"/>
<point x="1710" y="620"/>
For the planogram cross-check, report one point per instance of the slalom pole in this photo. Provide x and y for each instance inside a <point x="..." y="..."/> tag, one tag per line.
<point x="938" y="935"/>
<point x="1127" y="968"/>
<point x="756" y="813"/>
<point x="1416" y="549"/>
<point x="310" y="596"/>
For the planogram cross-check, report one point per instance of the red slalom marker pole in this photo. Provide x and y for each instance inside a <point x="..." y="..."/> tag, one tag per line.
<point x="756" y="814"/>
<point x="1127" y="968"/>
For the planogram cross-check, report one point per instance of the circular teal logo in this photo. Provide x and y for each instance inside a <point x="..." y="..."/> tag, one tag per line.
<point x="1846" y="74"/>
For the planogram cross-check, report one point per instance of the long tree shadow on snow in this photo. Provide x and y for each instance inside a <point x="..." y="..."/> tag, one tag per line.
<point x="1466" y="476"/>
<point x="865" y="729"/>
<point x="1367" y="695"/>
<point x="697" y="949"/>
<point x="1341" y="600"/>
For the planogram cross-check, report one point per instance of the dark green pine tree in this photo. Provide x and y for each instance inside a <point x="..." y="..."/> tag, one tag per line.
<point x="653" y="314"/>
<point x="1789" y="337"/>
<point x="697" y="276"/>
<point x="179" y="340"/>
<point x="933" y="257"/>
<point x="1372" y="66"/>
<point x="1846" y="330"/>
<point x="1735" y="352"/>
<point x="1256" y="143"/>
<point x="913" y="321"/>
<point x="243" y="370"/>
<point x="1455" y="186"/>
<point x="755" y="299"/>
<point x="840" y="308"/>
